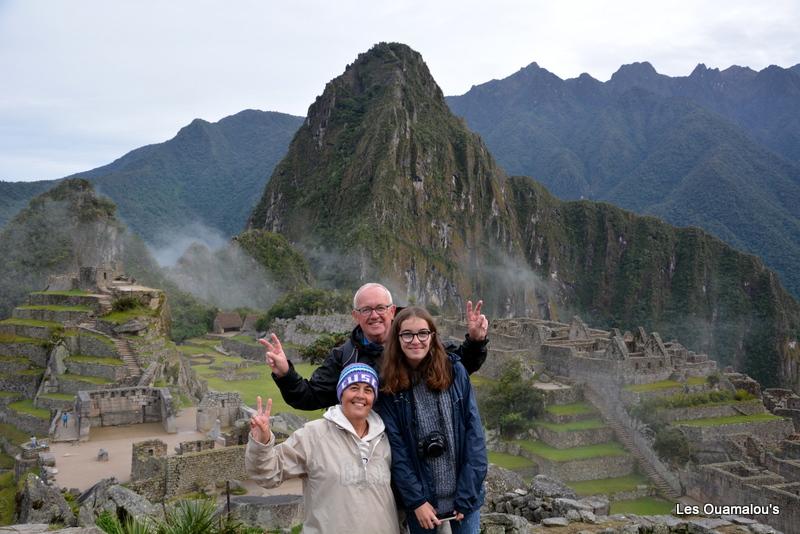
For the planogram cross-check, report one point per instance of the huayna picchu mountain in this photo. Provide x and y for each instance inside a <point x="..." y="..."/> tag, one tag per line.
<point x="383" y="182"/>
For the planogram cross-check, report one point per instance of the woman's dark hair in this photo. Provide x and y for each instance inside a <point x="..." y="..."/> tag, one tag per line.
<point x="435" y="369"/>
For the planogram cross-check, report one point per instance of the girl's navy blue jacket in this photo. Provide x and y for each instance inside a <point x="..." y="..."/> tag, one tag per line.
<point x="411" y="476"/>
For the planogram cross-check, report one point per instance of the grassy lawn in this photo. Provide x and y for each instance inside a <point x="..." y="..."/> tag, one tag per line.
<point x="509" y="461"/>
<point x="26" y="406"/>
<point x="88" y="379"/>
<point x="73" y="333"/>
<point x="192" y="351"/>
<point x="578" y="425"/>
<point x="12" y="434"/>
<point x="263" y="386"/>
<point x="573" y="408"/>
<point x="57" y="308"/>
<point x="655" y="386"/>
<point x="539" y="448"/>
<point x="696" y="381"/>
<point x="31" y="322"/>
<point x="13" y="338"/>
<point x="608" y="486"/>
<point x="58" y="396"/>
<point x="70" y="292"/>
<point x="730" y="420"/>
<point x="643" y="506"/>
<point x="93" y="359"/>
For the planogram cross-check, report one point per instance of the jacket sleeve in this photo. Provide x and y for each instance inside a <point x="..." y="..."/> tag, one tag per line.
<point x="474" y="462"/>
<point x="405" y="475"/>
<point x="269" y="465"/>
<point x="318" y="392"/>
<point x="472" y="353"/>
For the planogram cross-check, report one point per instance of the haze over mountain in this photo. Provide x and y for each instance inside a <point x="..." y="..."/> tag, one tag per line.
<point x="719" y="150"/>
<point x="207" y="178"/>
<point x="383" y="182"/>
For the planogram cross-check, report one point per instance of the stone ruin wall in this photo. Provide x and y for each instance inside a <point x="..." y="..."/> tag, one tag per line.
<point x="124" y="406"/>
<point x="222" y="406"/>
<point x="734" y="483"/>
<point x="156" y="476"/>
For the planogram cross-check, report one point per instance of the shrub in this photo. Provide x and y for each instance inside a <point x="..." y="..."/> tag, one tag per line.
<point x="124" y="304"/>
<point x="671" y="445"/>
<point x="742" y="395"/>
<point x="713" y="379"/>
<point x="306" y="302"/>
<point x="318" y="350"/>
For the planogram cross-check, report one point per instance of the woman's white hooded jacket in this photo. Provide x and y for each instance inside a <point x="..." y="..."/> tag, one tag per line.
<point x="346" y="479"/>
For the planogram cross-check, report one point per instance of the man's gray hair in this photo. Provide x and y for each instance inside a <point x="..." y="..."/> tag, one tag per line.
<point x="368" y="286"/>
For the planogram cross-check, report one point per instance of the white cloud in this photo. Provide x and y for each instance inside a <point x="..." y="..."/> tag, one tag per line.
<point x="86" y="81"/>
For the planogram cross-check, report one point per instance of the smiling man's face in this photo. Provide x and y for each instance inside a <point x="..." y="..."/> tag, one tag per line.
<point x="375" y="326"/>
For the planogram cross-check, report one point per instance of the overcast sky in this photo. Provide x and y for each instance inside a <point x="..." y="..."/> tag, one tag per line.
<point x="84" y="82"/>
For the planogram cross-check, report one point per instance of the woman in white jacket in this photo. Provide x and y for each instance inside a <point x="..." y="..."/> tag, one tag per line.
<point x="344" y="460"/>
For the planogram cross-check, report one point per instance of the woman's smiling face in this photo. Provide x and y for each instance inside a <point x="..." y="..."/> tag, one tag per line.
<point x="415" y="350"/>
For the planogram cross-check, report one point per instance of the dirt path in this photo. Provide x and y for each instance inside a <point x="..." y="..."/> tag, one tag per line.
<point x="78" y="467"/>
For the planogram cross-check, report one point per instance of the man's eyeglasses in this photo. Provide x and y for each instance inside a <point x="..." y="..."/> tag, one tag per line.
<point x="422" y="336"/>
<point x="380" y="310"/>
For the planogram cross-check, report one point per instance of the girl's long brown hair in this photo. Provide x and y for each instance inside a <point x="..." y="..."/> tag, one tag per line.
<point x="434" y="369"/>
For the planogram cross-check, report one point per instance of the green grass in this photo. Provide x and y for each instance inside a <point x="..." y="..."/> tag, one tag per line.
<point x="539" y="448"/>
<point x="655" y="386"/>
<point x="93" y="359"/>
<point x="714" y="421"/>
<point x="70" y="292"/>
<point x="88" y="379"/>
<point x="573" y="408"/>
<point x="643" y="506"/>
<point x="14" y="435"/>
<point x="263" y="386"/>
<point x="58" y="396"/>
<point x="26" y="406"/>
<point x="13" y="338"/>
<point x="7" y="503"/>
<point x="608" y="486"/>
<point x="73" y="333"/>
<point x="577" y="425"/>
<point x="193" y="351"/>
<point x="696" y="381"/>
<point x="509" y="461"/>
<point x="31" y="322"/>
<point x="57" y="308"/>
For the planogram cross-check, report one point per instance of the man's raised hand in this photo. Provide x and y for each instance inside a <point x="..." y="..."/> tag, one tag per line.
<point x="276" y="358"/>
<point x="477" y="323"/>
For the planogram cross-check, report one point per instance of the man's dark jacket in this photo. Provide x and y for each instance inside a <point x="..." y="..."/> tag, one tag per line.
<point x="320" y="391"/>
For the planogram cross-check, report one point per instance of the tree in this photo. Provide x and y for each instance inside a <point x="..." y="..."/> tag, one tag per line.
<point x="513" y="404"/>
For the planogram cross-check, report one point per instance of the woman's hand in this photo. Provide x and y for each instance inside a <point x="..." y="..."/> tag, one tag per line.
<point x="259" y="422"/>
<point x="426" y="516"/>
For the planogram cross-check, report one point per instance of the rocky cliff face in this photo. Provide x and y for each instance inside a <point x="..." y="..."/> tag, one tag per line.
<point x="383" y="183"/>
<point x="382" y="174"/>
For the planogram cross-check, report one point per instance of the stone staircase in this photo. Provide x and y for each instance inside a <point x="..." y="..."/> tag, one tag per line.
<point x="623" y="436"/>
<point x="128" y="356"/>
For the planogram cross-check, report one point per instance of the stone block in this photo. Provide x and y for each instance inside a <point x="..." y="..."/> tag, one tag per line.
<point x="102" y="455"/>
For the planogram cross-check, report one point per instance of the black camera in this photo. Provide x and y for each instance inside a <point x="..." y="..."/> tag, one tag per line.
<point x="432" y="446"/>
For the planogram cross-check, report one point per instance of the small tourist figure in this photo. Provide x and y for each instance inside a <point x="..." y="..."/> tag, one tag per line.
<point x="65" y="418"/>
<point x="34" y="443"/>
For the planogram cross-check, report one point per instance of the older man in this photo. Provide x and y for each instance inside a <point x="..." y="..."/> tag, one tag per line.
<point x="373" y="312"/>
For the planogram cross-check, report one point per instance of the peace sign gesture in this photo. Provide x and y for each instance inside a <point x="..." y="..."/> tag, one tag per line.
<point x="276" y="358"/>
<point x="259" y="422"/>
<point x="476" y="322"/>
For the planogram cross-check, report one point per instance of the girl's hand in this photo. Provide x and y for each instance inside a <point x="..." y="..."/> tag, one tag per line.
<point x="426" y="516"/>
